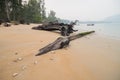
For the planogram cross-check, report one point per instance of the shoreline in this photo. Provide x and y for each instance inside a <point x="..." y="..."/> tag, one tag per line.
<point x="92" y="57"/>
<point x="102" y="35"/>
<point x="109" y="37"/>
<point x="109" y="30"/>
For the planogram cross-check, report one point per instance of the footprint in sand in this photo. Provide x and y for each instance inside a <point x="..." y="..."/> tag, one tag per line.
<point x="18" y="59"/>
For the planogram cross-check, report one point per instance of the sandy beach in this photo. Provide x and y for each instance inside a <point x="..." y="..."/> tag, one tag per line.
<point x="91" y="57"/>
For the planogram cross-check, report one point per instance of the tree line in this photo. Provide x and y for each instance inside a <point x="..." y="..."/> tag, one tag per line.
<point x="33" y="11"/>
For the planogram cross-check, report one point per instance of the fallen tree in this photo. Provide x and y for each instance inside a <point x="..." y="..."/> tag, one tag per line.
<point x="61" y="42"/>
<point x="65" y="29"/>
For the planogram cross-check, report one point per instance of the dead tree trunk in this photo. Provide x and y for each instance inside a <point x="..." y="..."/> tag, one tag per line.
<point x="80" y="35"/>
<point x="7" y="10"/>
<point x="61" y="42"/>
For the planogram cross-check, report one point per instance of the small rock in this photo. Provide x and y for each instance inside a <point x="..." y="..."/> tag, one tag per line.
<point x="7" y="24"/>
<point x="24" y="67"/>
<point x="35" y="62"/>
<point x="53" y="52"/>
<point x="15" y="74"/>
<point x="19" y="59"/>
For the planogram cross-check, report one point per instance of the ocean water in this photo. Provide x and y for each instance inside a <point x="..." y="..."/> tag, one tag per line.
<point x="111" y="30"/>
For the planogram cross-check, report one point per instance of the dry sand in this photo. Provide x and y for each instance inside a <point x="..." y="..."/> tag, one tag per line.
<point x="88" y="58"/>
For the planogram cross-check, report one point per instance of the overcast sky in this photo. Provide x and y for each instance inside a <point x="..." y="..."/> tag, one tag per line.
<point x="84" y="9"/>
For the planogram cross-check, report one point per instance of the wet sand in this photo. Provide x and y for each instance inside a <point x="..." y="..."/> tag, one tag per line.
<point x="89" y="58"/>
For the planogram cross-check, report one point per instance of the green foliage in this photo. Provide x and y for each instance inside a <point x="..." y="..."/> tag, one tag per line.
<point x="2" y="9"/>
<point x="15" y="22"/>
<point x="33" y="11"/>
<point x="14" y="10"/>
<point x="51" y="16"/>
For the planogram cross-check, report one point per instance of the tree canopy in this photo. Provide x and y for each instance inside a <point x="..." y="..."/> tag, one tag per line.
<point x="16" y="10"/>
<point x="33" y="11"/>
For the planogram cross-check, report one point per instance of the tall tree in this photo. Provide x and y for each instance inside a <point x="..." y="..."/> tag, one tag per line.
<point x="2" y="9"/>
<point x="51" y="16"/>
<point x="34" y="10"/>
<point x="43" y="13"/>
<point x="16" y="9"/>
<point x="7" y="9"/>
<point x="10" y="9"/>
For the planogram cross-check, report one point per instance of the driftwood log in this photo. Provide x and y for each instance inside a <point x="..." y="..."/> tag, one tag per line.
<point x="65" y="29"/>
<point x="6" y="24"/>
<point x="61" y="42"/>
